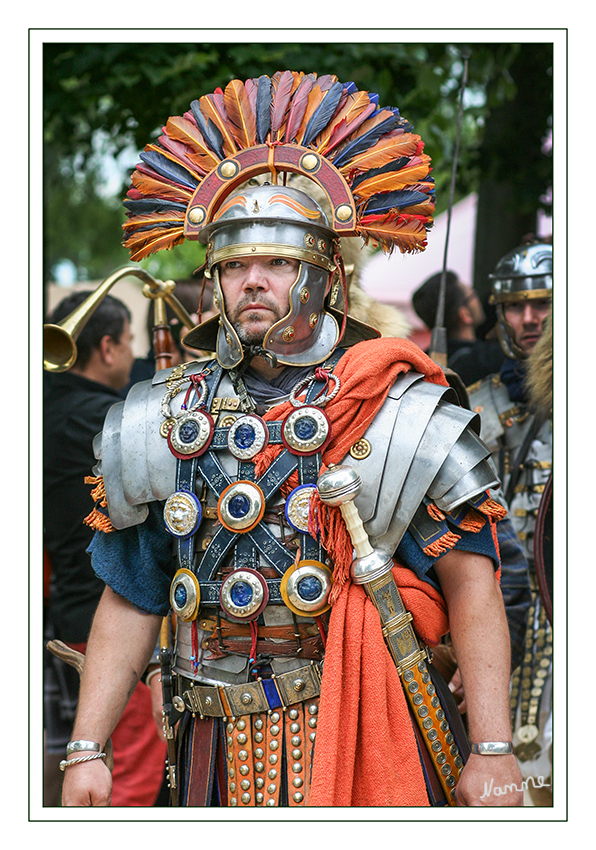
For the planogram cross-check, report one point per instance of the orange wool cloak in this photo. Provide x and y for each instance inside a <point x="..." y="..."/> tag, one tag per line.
<point x="365" y="753"/>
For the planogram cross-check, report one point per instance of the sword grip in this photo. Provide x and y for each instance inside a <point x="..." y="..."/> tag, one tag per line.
<point x="356" y="530"/>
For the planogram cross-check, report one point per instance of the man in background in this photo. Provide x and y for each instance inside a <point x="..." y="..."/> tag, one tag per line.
<point x="75" y="406"/>
<point x="470" y="357"/>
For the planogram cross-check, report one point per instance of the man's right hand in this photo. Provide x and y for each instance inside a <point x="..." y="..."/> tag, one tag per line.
<point x="87" y="784"/>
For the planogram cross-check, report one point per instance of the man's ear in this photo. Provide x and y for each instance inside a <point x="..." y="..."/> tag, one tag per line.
<point x="106" y="349"/>
<point x="464" y="315"/>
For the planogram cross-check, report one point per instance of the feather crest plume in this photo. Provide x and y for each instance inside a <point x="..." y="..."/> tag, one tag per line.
<point x="373" y="148"/>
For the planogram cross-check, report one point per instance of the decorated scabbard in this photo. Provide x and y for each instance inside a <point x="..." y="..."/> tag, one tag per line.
<point x="372" y="568"/>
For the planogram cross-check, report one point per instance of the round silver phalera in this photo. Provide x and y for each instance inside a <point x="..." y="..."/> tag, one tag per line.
<point x="305" y="430"/>
<point x="241" y="506"/>
<point x="244" y="594"/>
<point x="298" y="506"/>
<point x="307" y="588"/>
<point x="185" y="595"/>
<point x="247" y="436"/>
<point x="182" y="513"/>
<point x="190" y="434"/>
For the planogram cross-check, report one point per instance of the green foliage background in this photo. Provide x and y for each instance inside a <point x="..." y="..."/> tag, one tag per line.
<point x="123" y="93"/>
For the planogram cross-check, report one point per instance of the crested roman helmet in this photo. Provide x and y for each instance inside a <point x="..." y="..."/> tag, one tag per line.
<point x="523" y="274"/>
<point x="220" y="174"/>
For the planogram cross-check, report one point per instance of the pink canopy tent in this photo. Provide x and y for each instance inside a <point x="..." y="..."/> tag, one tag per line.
<point x="392" y="280"/>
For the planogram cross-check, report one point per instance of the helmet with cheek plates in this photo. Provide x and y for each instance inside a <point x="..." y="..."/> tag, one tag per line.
<point x="523" y="274"/>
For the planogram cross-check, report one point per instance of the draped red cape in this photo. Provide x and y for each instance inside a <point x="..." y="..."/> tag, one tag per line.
<point x="365" y="753"/>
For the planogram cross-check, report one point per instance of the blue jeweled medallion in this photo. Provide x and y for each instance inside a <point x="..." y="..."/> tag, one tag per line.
<point x="191" y="434"/>
<point x="244" y="594"/>
<point x="247" y="436"/>
<point x="305" y="588"/>
<point x="185" y="595"/>
<point x="306" y="430"/>
<point x="241" y="506"/>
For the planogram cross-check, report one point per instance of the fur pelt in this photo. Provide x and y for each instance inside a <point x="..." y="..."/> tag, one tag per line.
<point x="539" y="373"/>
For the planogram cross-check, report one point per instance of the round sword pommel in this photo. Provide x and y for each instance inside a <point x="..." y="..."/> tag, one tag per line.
<point x="338" y="484"/>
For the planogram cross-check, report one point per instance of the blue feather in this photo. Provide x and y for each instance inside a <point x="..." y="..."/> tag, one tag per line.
<point x="322" y="114"/>
<point x="209" y="131"/>
<point x="395" y="165"/>
<point x="168" y="169"/>
<point x="144" y="206"/>
<point x="365" y="141"/>
<point x="263" y="108"/>
<point x="385" y="201"/>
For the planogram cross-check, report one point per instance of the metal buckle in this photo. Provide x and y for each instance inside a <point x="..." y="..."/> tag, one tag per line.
<point x="299" y="685"/>
<point x="205" y="701"/>
<point x="247" y="699"/>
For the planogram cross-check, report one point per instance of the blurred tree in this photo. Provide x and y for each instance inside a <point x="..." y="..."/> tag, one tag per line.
<point x="126" y="91"/>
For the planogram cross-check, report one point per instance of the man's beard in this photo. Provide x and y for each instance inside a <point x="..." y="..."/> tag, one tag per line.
<point x="247" y="334"/>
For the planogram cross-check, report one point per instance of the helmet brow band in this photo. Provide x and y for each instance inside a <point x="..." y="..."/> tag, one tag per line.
<point x="271" y="249"/>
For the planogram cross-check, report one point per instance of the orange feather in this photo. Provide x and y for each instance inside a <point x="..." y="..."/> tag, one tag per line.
<point x="390" y="147"/>
<point x="240" y="114"/>
<point x="149" y="242"/>
<point x="154" y="186"/>
<point x="182" y="130"/>
<point x="392" y="181"/>
<point x="392" y="230"/>
<point x="154" y="218"/>
<point x="314" y="99"/>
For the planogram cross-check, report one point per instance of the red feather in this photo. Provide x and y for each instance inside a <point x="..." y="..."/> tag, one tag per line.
<point x="240" y="115"/>
<point x="298" y="108"/>
<point x="251" y="87"/>
<point x="281" y="101"/>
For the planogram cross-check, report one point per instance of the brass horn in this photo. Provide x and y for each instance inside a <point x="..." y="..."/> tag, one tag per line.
<point x="59" y="340"/>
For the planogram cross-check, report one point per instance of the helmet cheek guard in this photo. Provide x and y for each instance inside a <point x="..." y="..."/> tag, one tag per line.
<point x="281" y="222"/>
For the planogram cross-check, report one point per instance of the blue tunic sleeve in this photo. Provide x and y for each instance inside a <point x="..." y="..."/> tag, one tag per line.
<point x="138" y="563"/>
<point x="410" y="551"/>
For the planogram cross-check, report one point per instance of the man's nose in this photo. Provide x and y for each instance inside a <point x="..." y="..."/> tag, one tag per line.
<point x="255" y="277"/>
<point x="530" y="315"/>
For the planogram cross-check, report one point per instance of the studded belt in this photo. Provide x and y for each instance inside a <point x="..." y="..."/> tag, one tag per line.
<point x="262" y="695"/>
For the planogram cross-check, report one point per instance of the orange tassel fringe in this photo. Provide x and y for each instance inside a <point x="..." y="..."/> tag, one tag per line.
<point x="328" y="521"/>
<point x="96" y="519"/>
<point x="492" y="509"/>
<point x="443" y="544"/>
<point x="434" y="512"/>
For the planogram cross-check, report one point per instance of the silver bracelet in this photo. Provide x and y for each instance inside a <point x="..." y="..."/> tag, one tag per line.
<point x="151" y="674"/>
<point x="492" y="748"/>
<point x="69" y="762"/>
<point x="80" y="746"/>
